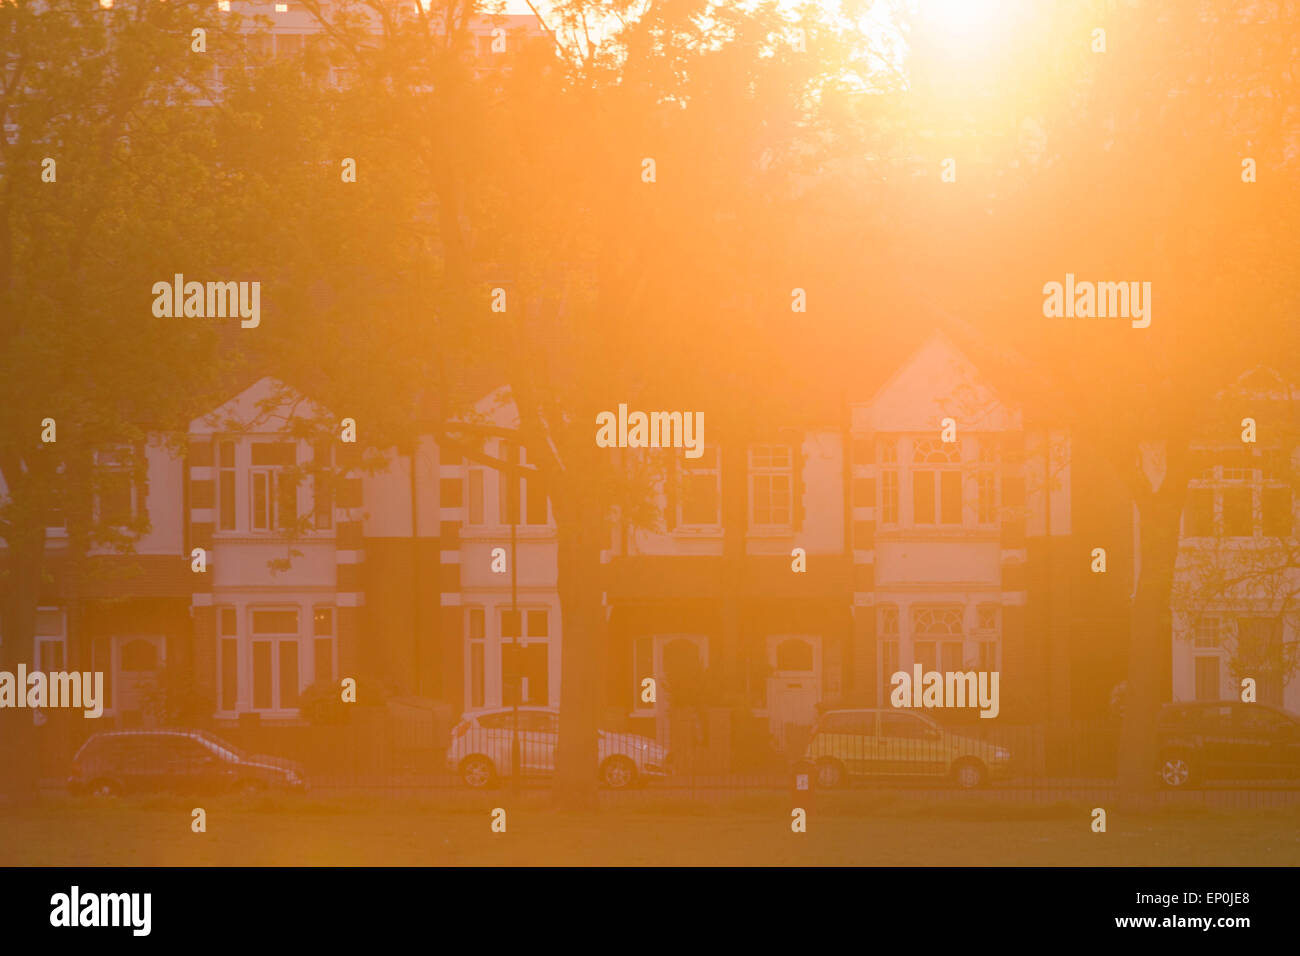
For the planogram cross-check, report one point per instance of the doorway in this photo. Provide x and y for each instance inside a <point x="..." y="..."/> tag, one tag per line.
<point x="793" y="688"/>
<point x="137" y="667"/>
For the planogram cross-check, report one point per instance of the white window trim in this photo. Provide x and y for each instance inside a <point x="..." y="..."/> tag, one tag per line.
<point x="313" y="485"/>
<point x="332" y="637"/>
<point x="246" y="661"/>
<point x="891" y="467"/>
<point x="470" y="642"/>
<point x="472" y="475"/>
<point x="218" y="470"/>
<point x="58" y="530"/>
<point x="935" y="468"/>
<point x="685" y="466"/>
<point x="498" y="524"/>
<point x="770" y="471"/>
<point x="244" y="469"/>
<point x="991" y="469"/>
<point x="61" y="638"/>
<point x="893" y="471"/>
<point x="977" y="636"/>
<point x="255" y="472"/>
<point x="1218" y="481"/>
<point x="494" y="691"/>
<point x="240" y="657"/>
<point x="129" y="471"/>
<point x="915" y="637"/>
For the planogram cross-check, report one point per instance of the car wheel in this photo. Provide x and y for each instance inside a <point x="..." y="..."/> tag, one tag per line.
<point x="477" y="771"/>
<point x="1175" y="770"/>
<point x="830" y="774"/>
<point x="969" y="774"/>
<point x="618" y="773"/>
<point x="103" y="788"/>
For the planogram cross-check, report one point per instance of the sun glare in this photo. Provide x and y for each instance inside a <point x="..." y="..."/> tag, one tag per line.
<point x="960" y="16"/>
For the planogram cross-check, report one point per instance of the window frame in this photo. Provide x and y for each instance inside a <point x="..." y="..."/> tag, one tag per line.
<point x="127" y="470"/>
<point x="988" y="472"/>
<point x="332" y="638"/>
<point x="689" y="468"/>
<point x="274" y="475"/>
<point x="890" y="506"/>
<point x="987" y="637"/>
<point x="324" y="482"/>
<point x="226" y="472"/>
<point x="60" y="639"/>
<point x="521" y="642"/>
<point x="922" y="465"/>
<point x="476" y="642"/>
<point x="942" y="641"/>
<point x="1253" y="469"/>
<point x="476" y="497"/>
<point x="888" y="645"/>
<point x="518" y="454"/>
<point x="766" y="469"/>
<point x="250" y="638"/>
<point x="225" y="639"/>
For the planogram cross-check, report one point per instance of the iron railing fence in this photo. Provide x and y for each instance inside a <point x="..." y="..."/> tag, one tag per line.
<point x="842" y="761"/>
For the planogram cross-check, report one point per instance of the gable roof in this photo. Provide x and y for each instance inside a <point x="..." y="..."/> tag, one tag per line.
<point x="937" y="381"/>
<point x="267" y="406"/>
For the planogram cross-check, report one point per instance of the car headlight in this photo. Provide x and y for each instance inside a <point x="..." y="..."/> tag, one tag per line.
<point x="1001" y="753"/>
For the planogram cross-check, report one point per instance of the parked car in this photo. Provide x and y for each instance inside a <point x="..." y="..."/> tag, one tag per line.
<point x="898" y="743"/>
<point x="1224" y="740"/>
<point x="188" y="761"/>
<point x="480" y="749"/>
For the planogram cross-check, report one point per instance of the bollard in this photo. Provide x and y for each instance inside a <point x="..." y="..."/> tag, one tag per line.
<point x="803" y="785"/>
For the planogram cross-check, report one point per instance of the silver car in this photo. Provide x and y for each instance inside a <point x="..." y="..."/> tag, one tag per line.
<point x="481" y="743"/>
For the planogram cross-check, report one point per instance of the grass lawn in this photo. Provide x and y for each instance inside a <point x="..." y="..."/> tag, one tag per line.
<point x="271" y="831"/>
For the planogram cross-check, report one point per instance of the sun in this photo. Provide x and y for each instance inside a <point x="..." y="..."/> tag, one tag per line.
<point x="960" y="16"/>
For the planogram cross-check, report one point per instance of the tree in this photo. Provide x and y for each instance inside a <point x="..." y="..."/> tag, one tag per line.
<point x="1135" y="171"/>
<point x="631" y="198"/>
<point x="104" y="190"/>
<point x="1236" y="582"/>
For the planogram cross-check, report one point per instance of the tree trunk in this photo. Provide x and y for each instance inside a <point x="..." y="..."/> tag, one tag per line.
<point x="1150" y="643"/>
<point x="735" y="523"/>
<point x="18" y="742"/>
<point x="580" y="521"/>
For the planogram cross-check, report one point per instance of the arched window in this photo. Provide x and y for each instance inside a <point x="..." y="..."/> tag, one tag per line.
<point x="794" y="654"/>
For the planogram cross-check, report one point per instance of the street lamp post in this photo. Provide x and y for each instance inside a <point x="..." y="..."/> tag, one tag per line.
<point x="519" y="626"/>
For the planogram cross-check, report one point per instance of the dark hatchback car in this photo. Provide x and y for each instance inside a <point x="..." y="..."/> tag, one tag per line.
<point x="1226" y="740"/>
<point x="184" y="761"/>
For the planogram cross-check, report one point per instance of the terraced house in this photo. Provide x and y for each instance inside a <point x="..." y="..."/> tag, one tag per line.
<point x="792" y="566"/>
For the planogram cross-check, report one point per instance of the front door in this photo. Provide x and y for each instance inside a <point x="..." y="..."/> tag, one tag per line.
<point x="793" y="689"/>
<point x="680" y="663"/>
<point x="137" y="668"/>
